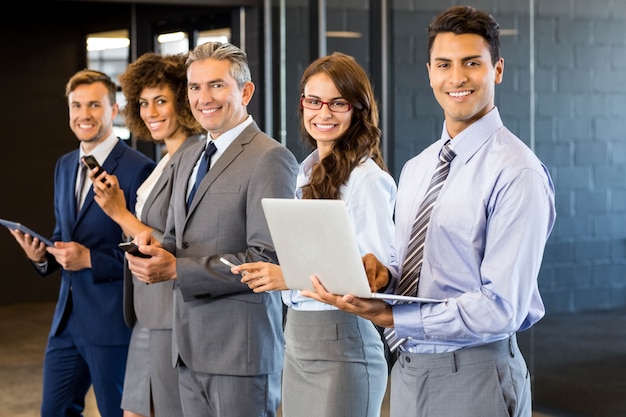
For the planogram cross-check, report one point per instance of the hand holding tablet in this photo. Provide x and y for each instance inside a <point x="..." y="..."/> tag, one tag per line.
<point x="18" y="226"/>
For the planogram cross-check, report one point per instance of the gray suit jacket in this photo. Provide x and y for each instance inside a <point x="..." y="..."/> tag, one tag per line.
<point x="152" y="305"/>
<point x="220" y="325"/>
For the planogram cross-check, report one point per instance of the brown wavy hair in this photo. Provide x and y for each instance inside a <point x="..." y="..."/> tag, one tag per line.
<point x="152" y="70"/>
<point x="359" y="142"/>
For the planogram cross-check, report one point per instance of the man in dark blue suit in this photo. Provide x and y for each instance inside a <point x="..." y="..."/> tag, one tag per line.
<point x="88" y="341"/>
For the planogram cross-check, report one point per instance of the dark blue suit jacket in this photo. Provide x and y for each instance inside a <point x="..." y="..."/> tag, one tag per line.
<point x="96" y="292"/>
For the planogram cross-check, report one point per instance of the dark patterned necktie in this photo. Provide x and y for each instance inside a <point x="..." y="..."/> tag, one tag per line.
<point x="202" y="170"/>
<point x="82" y="176"/>
<point x="412" y="265"/>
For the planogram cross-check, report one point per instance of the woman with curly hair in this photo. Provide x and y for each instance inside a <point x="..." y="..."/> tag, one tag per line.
<point x="157" y="109"/>
<point x="335" y="361"/>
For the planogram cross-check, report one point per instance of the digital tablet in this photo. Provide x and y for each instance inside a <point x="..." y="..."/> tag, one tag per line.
<point x="317" y="237"/>
<point x="14" y="225"/>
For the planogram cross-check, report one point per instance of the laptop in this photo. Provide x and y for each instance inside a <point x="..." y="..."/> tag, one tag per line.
<point x="317" y="237"/>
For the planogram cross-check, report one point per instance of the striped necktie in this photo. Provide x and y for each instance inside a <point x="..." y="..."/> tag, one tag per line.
<point x="82" y="176"/>
<point x="412" y="265"/>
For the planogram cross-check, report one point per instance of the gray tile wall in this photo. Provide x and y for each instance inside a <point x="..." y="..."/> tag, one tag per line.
<point x="579" y="127"/>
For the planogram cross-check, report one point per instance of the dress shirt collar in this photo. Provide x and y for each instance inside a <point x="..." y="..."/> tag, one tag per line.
<point x="226" y="138"/>
<point x="467" y="143"/>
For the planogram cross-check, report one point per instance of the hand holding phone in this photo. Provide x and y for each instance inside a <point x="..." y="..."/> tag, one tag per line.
<point x="133" y="249"/>
<point x="92" y="163"/>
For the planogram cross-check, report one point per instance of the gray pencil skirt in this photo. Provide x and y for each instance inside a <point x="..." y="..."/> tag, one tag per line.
<point x="334" y="365"/>
<point x="151" y="379"/>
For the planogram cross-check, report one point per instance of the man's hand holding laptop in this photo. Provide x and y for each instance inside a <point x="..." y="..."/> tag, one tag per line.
<point x="376" y="310"/>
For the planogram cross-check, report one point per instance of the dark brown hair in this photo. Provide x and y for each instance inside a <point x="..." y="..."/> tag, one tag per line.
<point x="465" y="19"/>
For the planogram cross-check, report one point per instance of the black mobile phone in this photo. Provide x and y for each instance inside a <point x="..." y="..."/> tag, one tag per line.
<point x="92" y="163"/>
<point x="133" y="249"/>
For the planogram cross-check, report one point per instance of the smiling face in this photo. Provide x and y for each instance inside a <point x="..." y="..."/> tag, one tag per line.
<point x="91" y="114"/>
<point x="463" y="78"/>
<point x="156" y="108"/>
<point x="324" y="125"/>
<point x="216" y="100"/>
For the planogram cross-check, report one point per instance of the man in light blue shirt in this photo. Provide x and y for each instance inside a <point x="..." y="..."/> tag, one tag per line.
<point x="483" y="248"/>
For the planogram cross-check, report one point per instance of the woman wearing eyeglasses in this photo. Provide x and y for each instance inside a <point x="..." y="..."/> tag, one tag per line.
<point x="334" y="361"/>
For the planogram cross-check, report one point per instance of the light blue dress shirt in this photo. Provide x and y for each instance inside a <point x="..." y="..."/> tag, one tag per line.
<point x="370" y="195"/>
<point x="485" y="241"/>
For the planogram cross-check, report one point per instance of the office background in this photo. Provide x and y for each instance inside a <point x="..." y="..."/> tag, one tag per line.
<point x="564" y="94"/>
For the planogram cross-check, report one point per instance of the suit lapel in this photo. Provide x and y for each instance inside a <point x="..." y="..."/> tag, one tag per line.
<point x="109" y="165"/>
<point x="158" y="188"/>
<point x="71" y="173"/>
<point x="233" y="150"/>
<point x="166" y="176"/>
<point x="186" y="169"/>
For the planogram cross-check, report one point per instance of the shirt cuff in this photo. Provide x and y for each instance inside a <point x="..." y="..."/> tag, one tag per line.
<point x="41" y="266"/>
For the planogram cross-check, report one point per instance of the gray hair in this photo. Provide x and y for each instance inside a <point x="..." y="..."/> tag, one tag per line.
<point x="238" y="59"/>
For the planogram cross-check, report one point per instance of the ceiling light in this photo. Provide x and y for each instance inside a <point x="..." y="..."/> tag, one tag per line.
<point x="342" y="34"/>
<point x="171" y="37"/>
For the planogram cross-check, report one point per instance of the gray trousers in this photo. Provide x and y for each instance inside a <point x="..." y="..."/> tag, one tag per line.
<point x="211" y="395"/>
<point x="485" y="381"/>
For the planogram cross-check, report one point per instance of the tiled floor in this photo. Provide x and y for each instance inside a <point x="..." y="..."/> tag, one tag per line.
<point x="578" y="363"/>
<point x="23" y="332"/>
